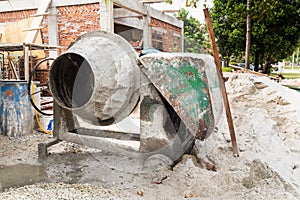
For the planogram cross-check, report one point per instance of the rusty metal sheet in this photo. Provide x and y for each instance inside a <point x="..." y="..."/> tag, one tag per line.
<point x="183" y="82"/>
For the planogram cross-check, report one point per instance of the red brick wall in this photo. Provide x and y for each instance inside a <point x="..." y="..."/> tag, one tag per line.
<point x="168" y="37"/>
<point x="74" y="21"/>
<point x="15" y="16"/>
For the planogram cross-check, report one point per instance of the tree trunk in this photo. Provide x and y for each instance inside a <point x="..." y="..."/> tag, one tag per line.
<point x="248" y="36"/>
<point x="267" y="67"/>
<point x="226" y="62"/>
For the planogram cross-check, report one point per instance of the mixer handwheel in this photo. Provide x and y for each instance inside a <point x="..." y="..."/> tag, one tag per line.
<point x="43" y="85"/>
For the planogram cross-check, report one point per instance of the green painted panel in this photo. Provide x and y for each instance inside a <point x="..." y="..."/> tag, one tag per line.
<point x="183" y="82"/>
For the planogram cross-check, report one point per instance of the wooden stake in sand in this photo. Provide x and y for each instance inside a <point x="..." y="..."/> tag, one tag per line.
<point x="221" y="81"/>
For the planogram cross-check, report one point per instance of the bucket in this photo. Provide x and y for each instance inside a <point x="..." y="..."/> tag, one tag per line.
<point x="16" y="112"/>
<point x="46" y="121"/>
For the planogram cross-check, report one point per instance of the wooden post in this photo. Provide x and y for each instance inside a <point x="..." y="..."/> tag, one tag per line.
<point x="221" y="81"/>
<point x="248" y="36"/>
<point x="26" y="62"/>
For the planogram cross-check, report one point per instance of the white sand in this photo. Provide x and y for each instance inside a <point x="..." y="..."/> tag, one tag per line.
<point x="266" y="117"/>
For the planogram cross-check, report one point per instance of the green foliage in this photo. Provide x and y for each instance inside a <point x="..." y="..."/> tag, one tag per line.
<point x="194" y="38"/>
<point x="229" y="31"/>
<point x="275" y="28"/>
<point x="191" y="3"/>
<point x="227" y="69"/>
<point x="169" y="1"/>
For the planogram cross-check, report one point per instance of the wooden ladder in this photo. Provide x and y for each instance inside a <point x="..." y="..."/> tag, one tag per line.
<point x="37" y="21"/>
<point x="33" y="32"/>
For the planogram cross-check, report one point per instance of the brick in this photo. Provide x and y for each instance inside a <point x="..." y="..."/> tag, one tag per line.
<point x="74" y="21"/>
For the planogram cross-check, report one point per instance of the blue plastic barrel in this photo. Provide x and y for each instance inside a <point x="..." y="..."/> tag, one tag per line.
<point x="16" y="112"/>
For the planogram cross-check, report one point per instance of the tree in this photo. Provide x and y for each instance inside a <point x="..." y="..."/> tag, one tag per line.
<point x="275" y="29"/>
<point x="277" y="25"/>
<point x="194" y="38"/>
<point x="229" y="32"/>
<point x="188" y="3"/>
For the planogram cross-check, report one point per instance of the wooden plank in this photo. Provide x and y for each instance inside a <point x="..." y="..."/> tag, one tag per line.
<point x="26" y="62"/>
<point x="170" y="11"/>
<point x="35" y="46"/>
<point x="221" y="82"/>
<point x="32" y="29"/>
<point x="42" y="14"/>
<point x="13" y="68"/>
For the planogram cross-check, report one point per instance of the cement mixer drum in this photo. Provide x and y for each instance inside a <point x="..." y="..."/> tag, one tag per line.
<point x="97" y="78"/>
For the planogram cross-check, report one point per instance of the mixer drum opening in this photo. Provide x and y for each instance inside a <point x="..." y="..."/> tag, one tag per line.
<point x="71" y="81"/>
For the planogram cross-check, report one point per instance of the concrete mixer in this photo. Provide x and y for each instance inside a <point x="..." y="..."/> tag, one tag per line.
<point x="102" y="89"/>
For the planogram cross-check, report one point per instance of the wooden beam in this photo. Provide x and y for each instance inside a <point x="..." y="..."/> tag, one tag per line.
<point x="26" y="62"/>
<point x="221" y="82"/>
<point x="170" y="11"/>
<point x="42" y="14"/>
<point x="12" y="67"/>
<point x="34" y="46"/>
<point x="32" y="29"/>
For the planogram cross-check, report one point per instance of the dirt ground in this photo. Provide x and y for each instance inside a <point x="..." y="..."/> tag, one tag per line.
<point x="266" y="117"/>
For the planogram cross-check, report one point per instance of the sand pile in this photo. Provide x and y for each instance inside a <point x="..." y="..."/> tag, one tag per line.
<point x="266" y="117"/>
<point x="267" y="125"/>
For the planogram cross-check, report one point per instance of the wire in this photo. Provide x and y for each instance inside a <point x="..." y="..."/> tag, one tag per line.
<point x="37" y="114"/>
